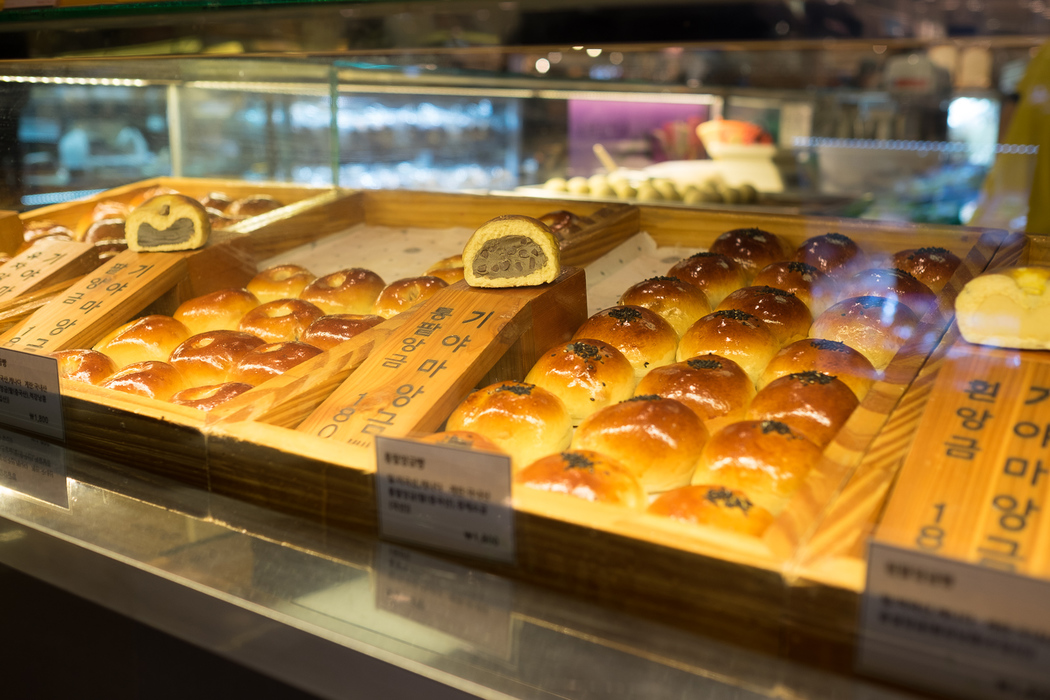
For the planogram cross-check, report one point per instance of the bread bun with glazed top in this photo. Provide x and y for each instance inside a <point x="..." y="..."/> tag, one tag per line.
<point x="280" y="321"/>
<point x="252" y="205"/>
<point x="148" y="338"/>
<point x="894" y="285"/>
<point x="151" y="379"/>
<point x="932" y="266"/>
<point x="403" y="294"/>
<point x="734" y="335"/>
<point x="207" y="358"/>
<point x="813" y="404"/>
<point x="328" y="331"/>
<point x="220" y="310"/>
<point x="824" y="356"/>
<point x="586" y="374"/>
<point x="584" y="474"/>
<point x="716" y="506"/>
<point x="280" y="282"/>
<point x="641" y="335"/>
<point x="713" y="274"/>
<point x="717" y="389"/>
<point x="753" y="248"/>
<point x="88" y="366"/>
<point x="810" y="285"/>
<point x="205" y="398"/>
<point x="270" y="360"/>
<point x="350" y="291"/>
<point x="782" y="312"/>
<point x="834" y="254"/>
<point x="876" y="327"/>
<point x="677" y="302"/>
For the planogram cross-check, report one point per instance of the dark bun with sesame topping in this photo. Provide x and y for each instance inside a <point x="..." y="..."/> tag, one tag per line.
<point x="644" y="338"/>
<point x="931" y="266"/>
<point x="895" y="285"/>
<point x="732" y="334"/>
<point x="712" y="505"/>
<point x="833" y="254"/>
<point x="826" y="356"/>
<point x="874" y="326"/>
<point x="783" y="313"/>
<point x="716" y="388"/>
<point x="713" y="274"/>
<point x="753" y="248"/>
<point x="584" y="474"/>
<point x="809" y="284"/>
<point x="677" y="301"/>
<point x="811" y="403"/>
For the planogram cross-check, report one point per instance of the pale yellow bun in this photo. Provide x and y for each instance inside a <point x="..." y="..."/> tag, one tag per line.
<point x="734" y="335"/>
<point x="658" y="439"/>
<point x="676" y="301"/>
<point x="753" y="248"/>
<point x="328" y="331"/>
<point x="166" y="223"/>
<point x="833" y="254"/>
<point x="253" y="205"/>
<point x="147" y="338"/>
<point x="1007" y="308"/>
<point x="712" y="505"/>
<point x="876" y="327"/>
<point x="511" y="251"/>
<point x="280" y="321"/>
<point x="402" y="295"/>
<point x="152" y="379"/>
<point x="641" y="335"/>
<point x="825" y="356"/>
<point x="88" y="366"/>
<point x="716" y="388"/>
<point x="280" y="282"/>
<point x="205" y="398"/>
<point x="523" y="420"/>
<point x="813" y="404"/>
<point x="895" y="285"/>
<point x="207" y="358"/>
<point x="931" y="266"/>
<point x="784" y="314"/>
<point x="463" y="439"/>
<point x="810" y="285"/>
<point x="270" y="360"/>
<point x="584" y="474"/>
<point x="351" y="291"/>
<point x="586" y="374"/>
<point x="713" y="274"/>
<point x="764" y="459"/>
<point x="221" y="310"/>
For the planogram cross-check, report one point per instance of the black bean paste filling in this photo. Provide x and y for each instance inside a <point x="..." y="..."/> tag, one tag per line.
<point x="509" y="256"/>
<point x="180" y="231"/>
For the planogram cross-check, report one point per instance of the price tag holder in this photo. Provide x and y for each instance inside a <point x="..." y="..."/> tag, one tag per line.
<point x="34" y="468"/>
<point x="445" y="497"/>
<point x="30" y="398"/>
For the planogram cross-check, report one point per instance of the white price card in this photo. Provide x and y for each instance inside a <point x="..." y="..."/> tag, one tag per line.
<point x="29" y="393"/>
<point x="445" y="497"/>
<point x="33" y="467"/>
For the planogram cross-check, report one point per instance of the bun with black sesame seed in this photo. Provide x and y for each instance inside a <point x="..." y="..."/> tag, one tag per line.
<point x="931" y="266"/>
<point x="811" y="403"/>
<point x="834" y="254"/>
<point x="678" y="302"/>
<point x="736" y="335"/>
<point x="826" y="356"/>
<point x="809" y="284"/>
<point x="783" y="313"/>
<point x="644" y="338"/>
<point x="717" y="506"/>
<point x="716" y="388"/>
<point x="584" y="474"/>
<point x="714" y="274"/>
<point x="753" y="248"/>
<point x="585" y="374"/>
<point x="874" y="326"/>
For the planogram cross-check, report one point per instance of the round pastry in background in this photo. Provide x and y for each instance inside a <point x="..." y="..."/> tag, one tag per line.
<point x="578" y="185"/>
<point x="813" y="404"/>
<point x="624" y="189"/>
<point x="207" y="358"/>
<point x="584" y="474"/>
<point x="713" y="274"/>
<point x="403" y="294"/>
<point x="641" y="335"/>
<point x="585" y="374"/>
<point x="810" y="285"/>
<point x="220" y="310"/>
<point x="753" y="248"/>
<point x="219" y="201"/>
<point x="556" y="184"/>
<point x="44" y="228"/>
<point x="89" y="366"/>
<point x="449" y="269"/>
<point x="765" y="459"/>
<point x="328" y="331"/>
<point x="152" y="379"/>
<point x="280" y="321"/>
<point x="252" y="205"/>
<point x="734" y="335"/>
<point x="564" y="224"/>
<point x="716" y="388"/>
<point x="658" y="439"/>
<point x="280" y="282"/>
<point x="892" y="284"/>
<point x="647" y="193"/>
<point x="148" y="194"/>
<point x="148" y="338"/>
<point x="268" y="361"/>
<point x="825" y="356"/>
<point x="107" y="233"/>
<point x="523" y="420"/>
<point x="833" y="254"/>
<point x="717" y="506"/>
<point x="205" y="398"/>
<point x="931" y="266"/>
<point x="461" y="439"/>
<point x="219" y="220"/>
<point x="350" y="291"/>
<point x="676" y="301"/>
<point x="783" y="313"/>
<point x="876" y="327"/>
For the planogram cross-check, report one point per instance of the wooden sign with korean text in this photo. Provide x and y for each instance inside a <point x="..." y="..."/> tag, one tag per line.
<point x="413" y="380"/>
<point x="44" y="264"/>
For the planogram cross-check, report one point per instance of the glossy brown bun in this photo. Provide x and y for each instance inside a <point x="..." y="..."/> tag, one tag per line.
<point x="677" y="302"/>
<point x="784" y="314"/>
<point x="713" y="274"/>
<point x="221" y="310"/>
<point x="449" y="269"/>
<point x="895" y="285"/>
<point x="270" y="360"/>
<point x="253" y="205"/>
<point x="147" y="338"/>
<point x="734" y="335"/>
<point x="219" y="201"/>
<point x="207" y="358"/>
<point x="43" y="230"/>
<point x="564" y="224"/>
<point x="874" y="326"/>
<point x="764" y="459"/>
<point x="148" y="194"/>
<point x="585" y="374"/>
<point x="711" y="505"/>
<point x="89" y="366"/>
<point x="463" y="439"/>
<point x="152" y="379"/>
<point x="328" y="331"/>
<point x="753" y="248"/>
<point x="523" y="420"/>
<point x="931" y="266"/>
<point x="403" y="294"/>
<point x="106" y="209"/>
<point x="280" y="321"/>
<point x="641" y="335"/>
<point x="716" y="388"/>
<point x="219" y="220"/>
<point x="833" y="254"/>
<point x="351" y="291"/>
<point x="810" y="285"/>
<point x="826" y="356"/>
<point x="280" y="282"/>
<point x="813" y="404"/>
<point x="104" y="230"/>
<point x="584" y="474"/>
<point x="658" y="439"/>
<point x="205" y="398"/>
